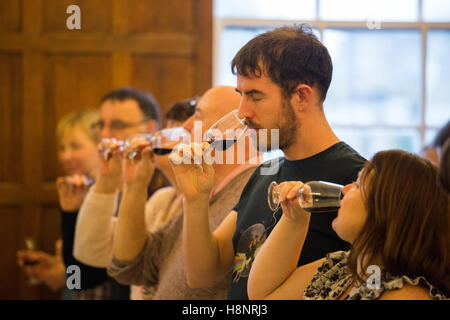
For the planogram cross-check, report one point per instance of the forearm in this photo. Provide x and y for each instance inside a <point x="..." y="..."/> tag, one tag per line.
<point x="95" y="229"/>
<point x="131" y="231"/>
<point x="105" y="185"/>
<point x="277" y="258"/>
<point x="200" y="248"/>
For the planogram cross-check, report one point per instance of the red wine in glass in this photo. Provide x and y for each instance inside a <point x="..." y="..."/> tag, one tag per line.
<point x="314" y="196"/>
<point x="162" y="151"/>
<point x="222" y="145"/>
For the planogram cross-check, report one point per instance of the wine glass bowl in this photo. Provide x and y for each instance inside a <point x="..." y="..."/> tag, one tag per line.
<point x="165" y="140"/>
<point x="226" y="131"/>
<point x="161" y="142"/>
<point x="135" y="143"/>
<point x="31" y="245"/>
<point x="313" y="196"/>
<point x="108" y="145"/>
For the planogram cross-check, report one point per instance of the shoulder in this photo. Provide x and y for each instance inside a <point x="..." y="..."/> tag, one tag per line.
<point x="345" y="153"/>
<point x="346" y="162"/>
<point x="408" y="292"/>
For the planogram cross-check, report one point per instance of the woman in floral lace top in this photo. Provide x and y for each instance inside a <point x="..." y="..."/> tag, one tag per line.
<point x="397" y="219"/>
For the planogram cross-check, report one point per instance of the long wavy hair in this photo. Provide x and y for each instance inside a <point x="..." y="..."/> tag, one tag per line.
<point x="408" y="220"/>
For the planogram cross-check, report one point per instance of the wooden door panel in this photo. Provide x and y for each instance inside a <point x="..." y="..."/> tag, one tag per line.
<point x="47" y="71"/>
<point x="11" y="112"/>
<point x="167" y="77"/>
<point x="10" y="16"/>
<point x="160" y="16"/>
<point x="71" y="82"/>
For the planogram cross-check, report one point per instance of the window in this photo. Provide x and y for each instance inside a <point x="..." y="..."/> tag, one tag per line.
<point x="390" y="62"/>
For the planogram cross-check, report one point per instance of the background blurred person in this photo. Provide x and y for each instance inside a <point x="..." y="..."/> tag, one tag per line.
<point x="123" y="112"/>
<point x="96" y="228"/>
<point x="179" y="112"/>
<point x="77" y="153"/>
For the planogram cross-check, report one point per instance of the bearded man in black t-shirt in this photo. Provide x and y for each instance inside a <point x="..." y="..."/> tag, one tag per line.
<point x="283" y="76"/>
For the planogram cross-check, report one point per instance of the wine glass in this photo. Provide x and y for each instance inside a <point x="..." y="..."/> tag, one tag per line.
<point x="134" y="144"/>
<point x="107" y="145"/>
<point x="218" y="135"/>
<point x="162" y="142"/>
<point x="165" y="140"/>
<point x="31" y="245"/>
<point x="314" y="196"/>
<point x="88" y="181"/>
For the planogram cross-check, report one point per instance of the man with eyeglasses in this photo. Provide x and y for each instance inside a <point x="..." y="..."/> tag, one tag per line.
<point x="127" y="111"/>
<point x="123" y="112"/>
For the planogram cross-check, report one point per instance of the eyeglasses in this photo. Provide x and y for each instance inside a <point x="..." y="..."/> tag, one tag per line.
<point x="115" y="125"/>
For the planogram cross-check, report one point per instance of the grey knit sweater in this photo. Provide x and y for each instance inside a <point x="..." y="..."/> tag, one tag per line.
<point x="161" y="261"/>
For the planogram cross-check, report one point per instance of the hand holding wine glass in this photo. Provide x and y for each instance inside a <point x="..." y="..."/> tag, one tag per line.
<point x="291" y="203"/>
<point x="313" y="196"/>
<point x="192" y="163"/>
<point x="41" y="267"/>
<point x="138" y="170"/>
<point x="109" y="175"/>
<point x="72" y="190"/>
<point x="194" y="178"/>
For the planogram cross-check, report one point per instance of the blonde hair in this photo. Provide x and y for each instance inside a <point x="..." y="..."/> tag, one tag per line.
<point x="83" y="119"/>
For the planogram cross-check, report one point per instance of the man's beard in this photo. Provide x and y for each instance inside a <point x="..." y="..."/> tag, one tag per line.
<point x="287" y="131"/>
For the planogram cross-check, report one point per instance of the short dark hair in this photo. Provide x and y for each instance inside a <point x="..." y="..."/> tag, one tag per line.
<point x="182" y="110"/>
<point x="290" y="56"/>
<point x="146" y="101"/>
<point x="442" y="135"/>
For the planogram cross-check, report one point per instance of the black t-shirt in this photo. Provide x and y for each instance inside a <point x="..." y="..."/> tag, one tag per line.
<point x="338" y="164"/>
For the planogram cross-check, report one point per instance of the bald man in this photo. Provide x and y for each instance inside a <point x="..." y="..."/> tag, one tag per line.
<point x="156" y="259"/>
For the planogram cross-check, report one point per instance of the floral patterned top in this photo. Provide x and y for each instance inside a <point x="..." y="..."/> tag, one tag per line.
<point x="333" y="278"/>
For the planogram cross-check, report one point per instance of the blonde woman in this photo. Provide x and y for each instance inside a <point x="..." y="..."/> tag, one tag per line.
<point x="78" y="155"/>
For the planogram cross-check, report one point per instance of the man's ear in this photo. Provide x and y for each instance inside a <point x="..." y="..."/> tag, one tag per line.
<point x="301" y="97"/>
<point x="152" y="125"/>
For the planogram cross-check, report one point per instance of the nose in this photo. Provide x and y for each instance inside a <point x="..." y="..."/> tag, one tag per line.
<point x="346" y="188"/>
<point x="105" y="132"/>
<point x="188" y="124"/>
<point x="65" y="155"/>
<point x="244" y="110"/>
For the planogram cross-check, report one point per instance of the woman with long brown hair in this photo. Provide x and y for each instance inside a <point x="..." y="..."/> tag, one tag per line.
<point x="396" y="216"/>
